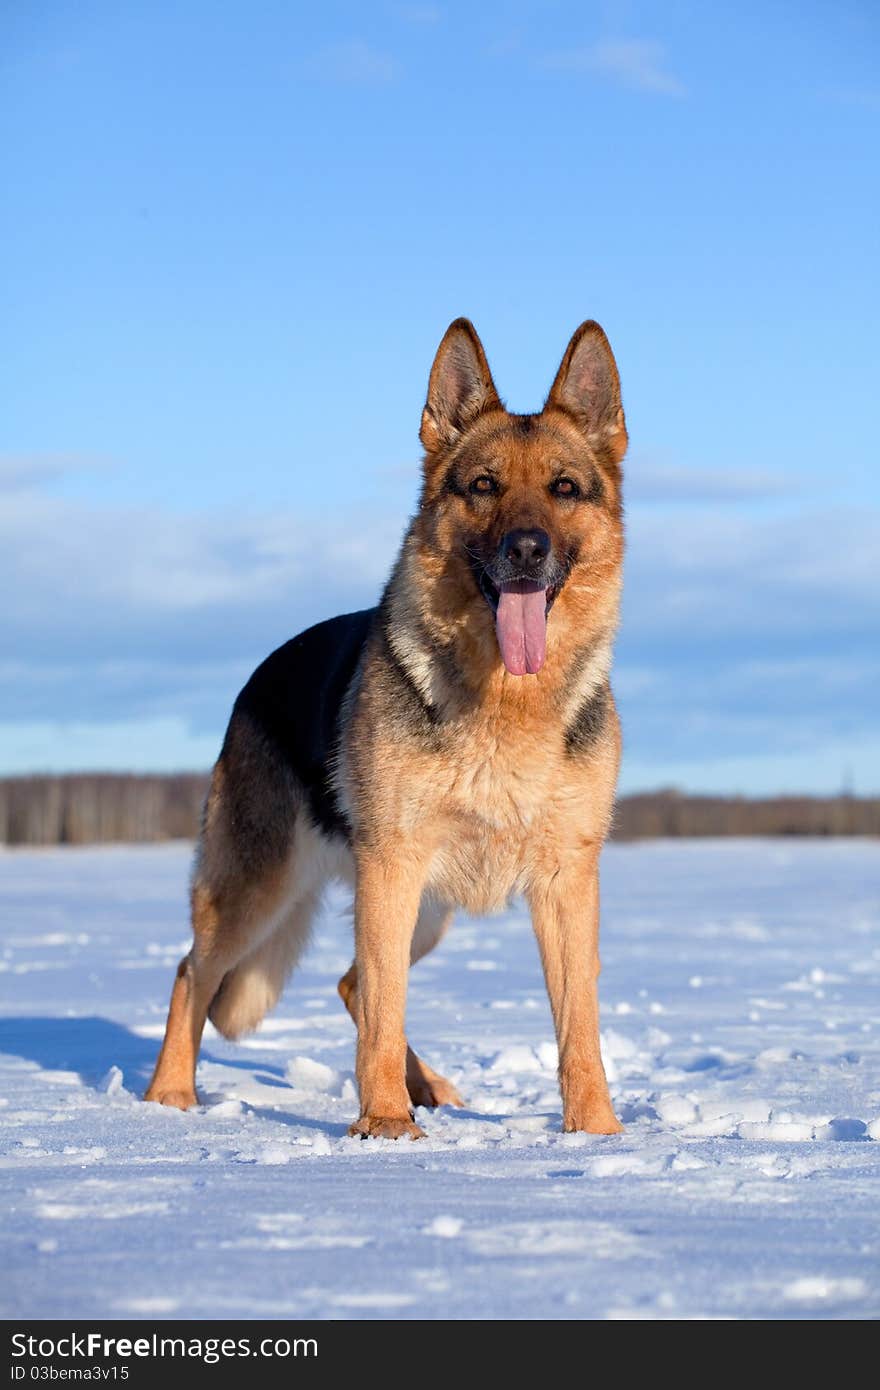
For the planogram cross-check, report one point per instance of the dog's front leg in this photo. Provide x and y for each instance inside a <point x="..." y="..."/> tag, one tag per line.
<point x="389" y="889"/>
<point x="565" y="914"/>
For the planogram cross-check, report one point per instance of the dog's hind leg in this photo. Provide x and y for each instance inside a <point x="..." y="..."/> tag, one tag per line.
<point x="199" y="976"/>
<point x="253" y="869"/>
<point x="254" y="986"/>
<point x="241" y="957"/>
<point x="426" y="1086"/>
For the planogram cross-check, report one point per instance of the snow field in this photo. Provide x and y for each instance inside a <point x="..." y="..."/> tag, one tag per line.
<point x="740" y="1032"/>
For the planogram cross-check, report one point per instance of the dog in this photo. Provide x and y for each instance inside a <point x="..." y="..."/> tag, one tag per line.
<point x="451" y="747"/>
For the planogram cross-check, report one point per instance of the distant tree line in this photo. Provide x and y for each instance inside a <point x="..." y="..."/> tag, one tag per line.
<point x="95" y="808"/>
<point x="649" y="815"/>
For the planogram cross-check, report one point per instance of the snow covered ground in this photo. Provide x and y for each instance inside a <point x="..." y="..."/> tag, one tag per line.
<point x="741" y="1033"/>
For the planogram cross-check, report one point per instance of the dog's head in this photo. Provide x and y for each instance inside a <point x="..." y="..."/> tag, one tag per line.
<point x="528" y="506"/>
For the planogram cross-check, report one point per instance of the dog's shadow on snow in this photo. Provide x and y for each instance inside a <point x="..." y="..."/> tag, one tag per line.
<point x="91" y="1046"/>
<point x="87" y="1046"/>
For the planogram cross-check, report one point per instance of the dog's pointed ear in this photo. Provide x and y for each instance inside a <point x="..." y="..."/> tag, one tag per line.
<point x="460" y="388"/>
<point x="587" y="386"/>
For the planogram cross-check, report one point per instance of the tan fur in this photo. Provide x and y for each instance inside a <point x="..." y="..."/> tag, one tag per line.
<point x="493" y="796"/>
<point x="253" y="987"/>
<point x="424" y="1085"/>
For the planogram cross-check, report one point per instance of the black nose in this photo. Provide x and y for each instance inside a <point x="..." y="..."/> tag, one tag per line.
<point x="526" y="550"/>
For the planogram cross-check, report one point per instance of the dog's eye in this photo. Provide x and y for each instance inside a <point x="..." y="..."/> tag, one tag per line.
<point x="565" y="487"/>
<point x="483" y="485"/>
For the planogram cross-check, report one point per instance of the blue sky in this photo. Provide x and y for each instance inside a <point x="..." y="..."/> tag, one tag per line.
<point x="232" y="236"/>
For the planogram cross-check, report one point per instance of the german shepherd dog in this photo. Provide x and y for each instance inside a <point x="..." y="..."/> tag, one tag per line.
<point x="453" y="746"/>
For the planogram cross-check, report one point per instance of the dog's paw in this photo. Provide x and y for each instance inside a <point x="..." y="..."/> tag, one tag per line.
<point x="180" y="1100"/>
<point x="431" y="1090"/>
<point x="383" y="1127"/>
<point x="599" y="1119"/>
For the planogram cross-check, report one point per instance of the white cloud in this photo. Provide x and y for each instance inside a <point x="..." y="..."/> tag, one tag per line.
<point x="667" y="483"/>
<point x="352" y="61"/>
<point x="821" y="770"/>
<point x="420" y="14"/>
<point x="748" y="633"/>
<point x="58" y="553"/>
<point x="119" y="613"/>
<point x="866" y="97"/>
<point x="637" y="63"/>
<point x="22" y="471"/>
<point x="133" y="745"/>
<point x="803" y="576"/>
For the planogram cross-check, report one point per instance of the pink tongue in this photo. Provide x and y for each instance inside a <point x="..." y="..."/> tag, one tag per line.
<point x="521" y="625"/>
